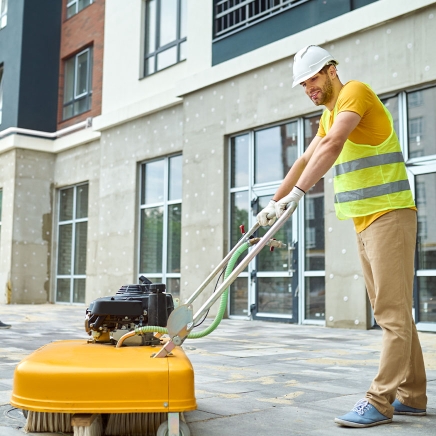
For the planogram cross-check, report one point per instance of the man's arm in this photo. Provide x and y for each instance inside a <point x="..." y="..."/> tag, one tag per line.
<point x="328" y="150"/>
<point x="296" y="170"/>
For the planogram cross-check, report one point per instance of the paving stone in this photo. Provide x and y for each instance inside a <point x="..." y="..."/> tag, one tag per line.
<point x="251" y="377"/>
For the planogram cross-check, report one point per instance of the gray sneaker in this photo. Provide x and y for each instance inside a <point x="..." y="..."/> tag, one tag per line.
<point x="4" y="326"/>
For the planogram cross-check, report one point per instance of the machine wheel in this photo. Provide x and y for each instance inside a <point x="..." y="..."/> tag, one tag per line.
<point x="183" y="429"/>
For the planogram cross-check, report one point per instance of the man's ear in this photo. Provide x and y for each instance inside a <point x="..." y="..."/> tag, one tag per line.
<point x="332" y="72"/>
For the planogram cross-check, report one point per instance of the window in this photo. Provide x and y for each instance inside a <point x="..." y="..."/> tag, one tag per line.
<point x="233" y="15"/>
<point x="75" y="6"/>
<point x="165" y="40"/>
<point x="1" y="92"/>
<point x="72" y="244"/>
<point x="78" y="84"/>
<point x="421" y="112"/>
<point x="414" y="99"/>
<point x="269" y="287"/>
<point x="160" y="221"/>
<point x="3" y="13"/>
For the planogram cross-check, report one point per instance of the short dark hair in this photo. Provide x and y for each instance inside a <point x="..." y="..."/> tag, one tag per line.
<point x="325" y="68"/>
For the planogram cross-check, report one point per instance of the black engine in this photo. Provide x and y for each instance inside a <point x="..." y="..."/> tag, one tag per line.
<point x="144" y="304"/>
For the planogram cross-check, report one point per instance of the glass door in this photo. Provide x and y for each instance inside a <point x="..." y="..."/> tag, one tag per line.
<point x="274" y="274"/>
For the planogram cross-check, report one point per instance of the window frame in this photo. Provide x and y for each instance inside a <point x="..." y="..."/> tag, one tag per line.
<point x="76" y="2"/>
<point x="165" y="204"/>
<point x="160" y="49"/>
<point x="72" y="276"/>
<point x="3" y="13"/>
<point x="85" y="95"/>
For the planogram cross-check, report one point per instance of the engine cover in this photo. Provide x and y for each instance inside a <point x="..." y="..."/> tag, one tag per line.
<point x="144" y="304"/>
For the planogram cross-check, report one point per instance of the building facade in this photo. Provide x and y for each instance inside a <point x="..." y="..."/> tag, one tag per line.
<point x="193" y="128"/>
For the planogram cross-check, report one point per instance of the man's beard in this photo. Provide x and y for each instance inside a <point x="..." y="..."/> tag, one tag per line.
<point x="327" y="93"/>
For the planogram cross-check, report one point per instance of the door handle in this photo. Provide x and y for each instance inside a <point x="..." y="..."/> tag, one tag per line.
<point x="291" y="249"/>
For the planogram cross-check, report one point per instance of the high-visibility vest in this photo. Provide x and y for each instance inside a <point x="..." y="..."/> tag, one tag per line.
<point x="368" y="178"/>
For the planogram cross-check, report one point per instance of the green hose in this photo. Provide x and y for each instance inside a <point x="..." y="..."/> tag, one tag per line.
<point x="221" y="309"/>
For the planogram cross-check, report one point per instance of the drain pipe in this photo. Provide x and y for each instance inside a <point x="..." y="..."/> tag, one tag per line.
<point x="49" y="135"/>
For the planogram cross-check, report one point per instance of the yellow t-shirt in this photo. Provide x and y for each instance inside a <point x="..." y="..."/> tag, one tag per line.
<point x="373" y="128"/>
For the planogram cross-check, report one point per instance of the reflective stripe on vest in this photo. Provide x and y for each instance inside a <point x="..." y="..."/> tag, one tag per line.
<point x="373" y="191"/>
<point x="369" y="179"/>
<point x="367" y="162"/>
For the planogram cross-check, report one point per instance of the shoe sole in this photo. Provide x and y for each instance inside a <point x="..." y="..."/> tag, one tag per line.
<point x="410" y="413"/>
<point x="357" y="425"/>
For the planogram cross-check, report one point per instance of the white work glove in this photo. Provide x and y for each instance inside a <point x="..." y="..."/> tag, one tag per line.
<point x="295" y="195"/>
<point x="267" y="216"/>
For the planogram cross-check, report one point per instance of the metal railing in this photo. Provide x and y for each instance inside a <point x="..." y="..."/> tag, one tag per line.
<point x="234" y="15"/>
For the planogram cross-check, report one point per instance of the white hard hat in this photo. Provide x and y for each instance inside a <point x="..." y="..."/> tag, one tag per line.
<point x="309" y="61"/>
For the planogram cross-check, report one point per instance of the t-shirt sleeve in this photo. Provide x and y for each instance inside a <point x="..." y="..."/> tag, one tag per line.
<point x="321" y="131"/>
<point x="354" y="98"/>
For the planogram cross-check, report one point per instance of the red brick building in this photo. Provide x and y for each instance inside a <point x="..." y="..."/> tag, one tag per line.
<point x="81" y="61"/>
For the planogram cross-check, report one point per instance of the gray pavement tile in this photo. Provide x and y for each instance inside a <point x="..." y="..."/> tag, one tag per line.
<point x="254" y="377"/>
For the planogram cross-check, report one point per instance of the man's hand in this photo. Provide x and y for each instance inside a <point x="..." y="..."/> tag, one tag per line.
<point x="295" y="195"/>
<point x="267" y="216"/>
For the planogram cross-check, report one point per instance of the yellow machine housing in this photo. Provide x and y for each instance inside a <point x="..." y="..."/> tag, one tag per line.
<point x="74" y="376"/>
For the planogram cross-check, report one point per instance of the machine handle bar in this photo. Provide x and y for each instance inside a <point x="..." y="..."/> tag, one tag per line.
<point x="247" y="259"/>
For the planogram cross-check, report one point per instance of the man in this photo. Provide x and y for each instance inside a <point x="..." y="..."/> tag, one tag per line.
<point x="356" y="136"/>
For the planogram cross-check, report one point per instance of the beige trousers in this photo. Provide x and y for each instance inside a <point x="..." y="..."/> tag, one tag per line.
<point x="387" y="251"/>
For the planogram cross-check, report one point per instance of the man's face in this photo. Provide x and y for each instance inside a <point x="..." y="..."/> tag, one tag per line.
<point x="319" y="88"/>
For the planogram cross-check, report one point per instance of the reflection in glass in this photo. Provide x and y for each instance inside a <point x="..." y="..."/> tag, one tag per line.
<point x="64" y="249"/>
<point x="69" y="79"/>
<point x="239" y="297"/>
<point x="274" y="295"/>
<point x="276" y="260"/>
<point x="173" y="287"/>
<point x="238" y="216"/>
<point x="66" y="204"/>
<point x="183" y="50"/>
<point x="167" y="58"/>
<point x="174" y="237"/>
<point x="151" y="26"/>
<point x="82" y="201"/>
<point x="314" y="228"/>
<point x="79" y="290"/>
<point x="239" y="161"/>
<point x="275" y="150"/>
<point x="63" y="287"/>
<point x="315" y="298"/>
<point x="81" y="237"/>
<point x="427" y="299"/>
<point x="175" y="179"/>
<point x="425" y="185"/>
<point x="183" y="18"/>
<point x="168" y="22"/>
<point x="153" y="182"/>
<point x="311" y="125"/>
<point x="391" y="104"/>
<point x="421" y="112"/>
<point x="82" y="74"/>
<point x="150" y="257"/>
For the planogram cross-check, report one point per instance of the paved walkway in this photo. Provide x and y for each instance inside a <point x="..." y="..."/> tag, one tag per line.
<point x="252" y="378"/>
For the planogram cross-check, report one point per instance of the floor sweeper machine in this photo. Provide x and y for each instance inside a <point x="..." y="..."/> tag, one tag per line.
<point x="131" y="377"/>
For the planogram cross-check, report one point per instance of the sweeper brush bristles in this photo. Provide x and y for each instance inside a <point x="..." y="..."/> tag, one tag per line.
<point x="48" y="422"/>
<point x="134" y="424"/>
<point x="87" y="425"/>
